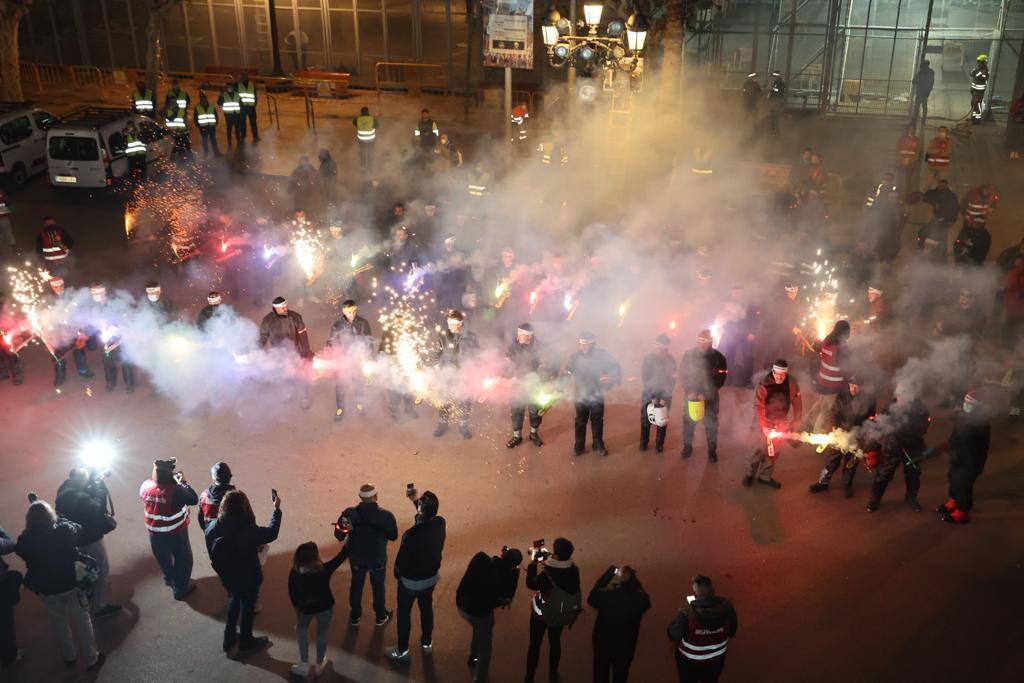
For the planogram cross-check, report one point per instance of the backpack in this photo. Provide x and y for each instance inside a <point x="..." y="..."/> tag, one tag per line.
<point x="561" y="608"/>
<point x="87" y="571"/>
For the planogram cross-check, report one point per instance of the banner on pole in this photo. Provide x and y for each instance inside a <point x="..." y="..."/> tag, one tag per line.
<point x="508" y="33"/>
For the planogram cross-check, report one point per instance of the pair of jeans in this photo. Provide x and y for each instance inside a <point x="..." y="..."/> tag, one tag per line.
<point x="481" y="645"/>
<point x="699" y="672"/>
<point x="378" y="576"/>
<point x="241" y="610"/>
<point x="208" y="136"/>
<point x="365" y="155"/>
<point x="592" y="412"/>
<point x="537" y="630"/>
<point x="406" y="598"/>
<point x="323" y="622"/>
<point x="98" y="552"/>
<point x="71" y="610"/>
<point x="8" y="637"/>
<point x="610" y="665"/>
<point x="173" y="553"/>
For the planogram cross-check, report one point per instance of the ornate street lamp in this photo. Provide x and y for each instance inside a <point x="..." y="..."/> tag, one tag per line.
<point x="619" y="48"/>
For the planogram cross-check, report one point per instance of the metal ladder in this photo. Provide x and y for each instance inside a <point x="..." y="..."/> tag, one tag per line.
<point x="620" y="120"/>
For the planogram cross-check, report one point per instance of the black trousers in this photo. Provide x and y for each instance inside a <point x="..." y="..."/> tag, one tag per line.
<point x="611" y="666"/>
<point x="711" y="406"/>
<point x="356" y="383"/>
<point x="518" y="412"/>
<point x="537" y="630"/>
<point x="592" y="412"/>
<point x="241" y="611"/>
<point x="10" y="366"/>
<point x="837" y="458"/>
<point x="481" y="645"/>
<point x="236" y="124"/>
<point x="208" y="136"/>
<point x="892" y="458"/>
<point x="693" y="672"/>
<point x="403" y="617"/>
<point x="249" y="113"/>
<point x="111" y="361"/>
<point x="8" y="638"/>
<point x="962" y="476"/>
<point x="977" y="98"/>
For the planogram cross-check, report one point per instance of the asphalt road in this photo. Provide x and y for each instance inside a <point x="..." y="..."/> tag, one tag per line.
<point x="823" y="589"/>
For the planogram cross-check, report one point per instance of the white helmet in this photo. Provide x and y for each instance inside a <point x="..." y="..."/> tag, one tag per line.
<point x="657" y="415"/>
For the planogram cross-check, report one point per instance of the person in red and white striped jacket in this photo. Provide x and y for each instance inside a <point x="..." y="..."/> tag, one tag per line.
<point x="701" y="633"/>
<point x="166" y="498"/>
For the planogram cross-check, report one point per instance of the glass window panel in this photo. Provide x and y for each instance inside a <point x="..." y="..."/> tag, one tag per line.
<point x="227" y="27"/>
<point x="434" y="29"/>
<point x="400" y="41"/>
<point x="257" y="38"/>
<point x="311" y="24"/>
<point x="343" y="42"/>
<point x="120" y="33"/>
<point x="341" y="4"/>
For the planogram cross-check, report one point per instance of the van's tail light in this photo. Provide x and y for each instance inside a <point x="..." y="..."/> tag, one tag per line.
<point x="106" y="158"/>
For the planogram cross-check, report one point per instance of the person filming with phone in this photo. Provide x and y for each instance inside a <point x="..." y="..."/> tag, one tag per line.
<point x="701" y="632"/>
<point x="556" y="604"/>
<point x="621" y="602"/>
<point x="368" y="528"/>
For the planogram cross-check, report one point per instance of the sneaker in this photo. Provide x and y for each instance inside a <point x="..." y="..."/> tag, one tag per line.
<point x="817" y="487"/>
<point x="300" y="670"/>
<point x="188" y="591"/>
<point x="95" y="666"/>
<point x="384" y="619"/>
<point x="600" y="449"/>
<point x="535" y="439"/>
<point x="514" y="441"/>
<point x="108" y="611"/>
<point x="686" y="452"/>
<point x="427" y="647"/>
<point x="321" y="666"/>
<point x="471" y="662"/>
<point x="873" y="504"/>
<point x="464" y="431"/>
<point x="253" y="644"/>
<point x="643" y="446"/>
<point x="395" y="655"/>
<point x="339" y="414"/>
<point x="771" y="483"/>
<point x="748" y="480"/>
<point x="440" y="429"/>
<point x="712" y="456"/>
<point x="353" y="621"/>
<point x="912" y="502"/>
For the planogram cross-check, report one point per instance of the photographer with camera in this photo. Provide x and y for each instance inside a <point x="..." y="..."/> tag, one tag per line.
<point x="10" y="594"/>
<point x="556" y="604"/>
<point x="368" y="528"/>
<point x="234" y="541"/>
<point x="83" y="498"/>
<point x="166" y="498"/>
<point x="489" y="583"/>
<point x="620" y="602"/>
<point x="48" y="547"/>
<point x="416" y="568"/>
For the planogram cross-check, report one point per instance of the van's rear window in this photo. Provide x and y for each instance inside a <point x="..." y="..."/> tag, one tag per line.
<point x="74" y="149"/>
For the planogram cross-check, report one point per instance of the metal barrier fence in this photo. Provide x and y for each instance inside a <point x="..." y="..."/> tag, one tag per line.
<point x="410" y="77"/>
<point x="88" y="76"/>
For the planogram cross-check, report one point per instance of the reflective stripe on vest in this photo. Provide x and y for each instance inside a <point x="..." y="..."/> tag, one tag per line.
<point x="937" y="161"/>
<point x="159" y="516"/>
<point x="975" y="209"/>
<point x="206" y="116"/>
<point x="135" y="147"/>
<point x="978" y="86"/>
<point x="365" y="132"/>
<point x="182" y="104"/>
<point x="177" y="123"/>
<point x="247" y="94"/>
<point x="231" y="106"/>
<point x="477" y="190"/>
<point x="143" y="101"/>
<point x="701" y="652"/>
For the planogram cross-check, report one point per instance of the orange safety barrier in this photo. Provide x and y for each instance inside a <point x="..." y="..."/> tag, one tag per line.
<point x="410" y="77"/>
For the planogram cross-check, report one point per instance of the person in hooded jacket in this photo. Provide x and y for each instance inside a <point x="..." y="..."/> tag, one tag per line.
<point x="621" y="602"/>
<point x="10" y="595"/>
<point x="968" y="450"/>
<point x="852" y="408"/>
<point x="234" y="540"/>
<point x="417" y="568"/>
<point x="559" y="573"/>
<point x="489" y="582"/>
<point x="701" y="632"/>
<point x="309" y="588"/>
<point x="328" y="177"/>
<point x="368" y="527"/>
<point x="209" y="499"/>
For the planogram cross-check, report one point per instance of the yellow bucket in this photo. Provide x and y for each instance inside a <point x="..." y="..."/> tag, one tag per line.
<point x="696" y="410"/>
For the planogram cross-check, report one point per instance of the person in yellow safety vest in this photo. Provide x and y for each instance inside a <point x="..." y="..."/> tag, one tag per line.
<point x="143" y="100"/>
<point x="176" y="121"/>
<point x="205" y="117"/>
<point x="135" y="150"/>
<point x="702" y="160"/>
<point x="178" y="96"/>
<point x="447" y="150"/>
<point x="247" y="96"/>
<point x="231" y="104"/>
<point x="426" y="131"/>
<point x="478" y="181"/>
<point x="519" y="116"/>
<point x="366" y="132"/>
<point x="979" y="82"/>
<point x="548" y="149"/>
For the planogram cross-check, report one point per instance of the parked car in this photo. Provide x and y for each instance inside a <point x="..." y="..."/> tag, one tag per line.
<point x="22" y="141"/>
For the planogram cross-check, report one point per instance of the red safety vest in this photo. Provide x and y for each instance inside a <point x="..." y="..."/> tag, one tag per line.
<point x="909" y="144"/>
<point x="54" y="248"/>
<point x="938" y="153"/>
<point x="209" y="508"/>
<point x="978" y="204"/>
<point x="701" y="643"/>
<point x="161" y="517"/>
<point x="830" y="375"/>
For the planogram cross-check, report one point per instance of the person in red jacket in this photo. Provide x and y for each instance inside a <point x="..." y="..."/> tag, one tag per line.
<point x="701" y="633"/>
<point x="831" y="379"/>
<point x="978" y="203"/>
<point x="166" y="498"/>
<point x="776" y="395"/>
<point x="209" y="499"/>
<point x="909" y="147"/>
<point x="1013" y="303"/>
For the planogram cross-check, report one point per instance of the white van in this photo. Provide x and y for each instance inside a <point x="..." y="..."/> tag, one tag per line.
<point x="85" y="147"/>
<point x="22" y="141"/>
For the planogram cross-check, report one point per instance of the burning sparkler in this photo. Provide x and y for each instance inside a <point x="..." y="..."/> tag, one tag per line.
<point x="622" y="311"/>
<point x="501" y="293"/>
<point x="534" y="300"/>
<point x="570" y="304"/>
<point x="309" y="250"/>
<point x="838" y="438"/>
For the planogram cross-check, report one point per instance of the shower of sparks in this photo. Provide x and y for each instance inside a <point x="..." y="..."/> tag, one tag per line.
<point x="28" y="286"/>
<point x="534" y="299"/>
<point x="622" y="311"/>
<point x="308" y="247"/>
<point x="822" y="296"/>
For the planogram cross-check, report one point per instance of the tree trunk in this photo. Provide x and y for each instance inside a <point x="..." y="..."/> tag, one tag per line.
<point x="11" y="13"/>
<point x="672" y="56"/>
<point x="153" y="46"/>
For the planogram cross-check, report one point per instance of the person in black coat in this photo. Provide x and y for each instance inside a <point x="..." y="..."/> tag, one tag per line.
<point x="369" y="527"/>
<point x="351" y="334"/>
<point x="852" y="408"/>
<point x="233" y="541"/>
<point x="558" y="572"/>
<point x="968" y="450"/>
<point x="489" y="583"/>
<point x="309" y="589"/>
<point x="10" y="594"/>
<point x="659" y="379"/>
<point x="621" y="602"/>
<point x="702" y="372"/>
<point x="417" y="568"/>
<point x="972" y="244"/>
<point x="594" y="371"/>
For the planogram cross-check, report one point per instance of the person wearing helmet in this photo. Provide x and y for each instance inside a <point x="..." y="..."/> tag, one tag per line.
<point x="702" y="372"/>
<point x="979" y="83"/>
<point x="659" y="379"/>
<point x="853" y="407"/>
<point x="751" y="96"/>
<point x="968" y="449"/>
<point x="776" y="102"/>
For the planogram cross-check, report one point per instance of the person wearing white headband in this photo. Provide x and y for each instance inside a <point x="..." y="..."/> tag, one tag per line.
<point x="351" y="334"/>
<point x="78" y="342"/>
<point x="776" y="397"/>
<point x="213" y="303"/>
<point x="98" y="292"/>
<point x="702" y="373"/>
<point x="877" y="311"/>
<point x="594" y="371"/>
<point x="452" y="344"/>
<point x="160" y="304"/>
<point x="57" y="285"/>
<point x="968" y="450"/>
<point x="285" y="329"/>
<point x="528" y="358"/>
<point x="368" y="527"/>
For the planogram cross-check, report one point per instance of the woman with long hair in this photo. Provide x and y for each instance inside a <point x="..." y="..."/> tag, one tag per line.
<point x="309" y="587"/>
<point x="48" y="548"/>
<point x="234" y="540"/>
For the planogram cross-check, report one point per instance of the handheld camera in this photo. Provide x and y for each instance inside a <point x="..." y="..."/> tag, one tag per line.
<point x="538" y="553"/>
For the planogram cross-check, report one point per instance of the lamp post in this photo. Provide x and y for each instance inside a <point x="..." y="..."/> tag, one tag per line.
<point x="619" y="48"/>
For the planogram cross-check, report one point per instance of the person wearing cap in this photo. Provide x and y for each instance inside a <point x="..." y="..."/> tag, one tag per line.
<point x="979" y="83"/>
<point x="530" y="365"/>
<point x="454" y="343"/>
<point x="702" y="373"/>
<point x="904" y="423"/>
<point x="214" y="300"/>
<point x="658" y="376"/>
<point x="163" y="307"/>
<point x="776" y="102"/>
<point x="751" y="97"/>
<point x="209" y="499"/>
<point x="490" y="582"/>
<point x="285" y="329"/>
<point x="351" y="334"/>
<point x="777" y="396"/>
<point x="368" y="528"/>
<point x="968" y="446"/>
<point x="556" y="603"/>
<point x="593" y="371"/>
<point x="853" y="407"/>
<point x="166" y="498"/>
